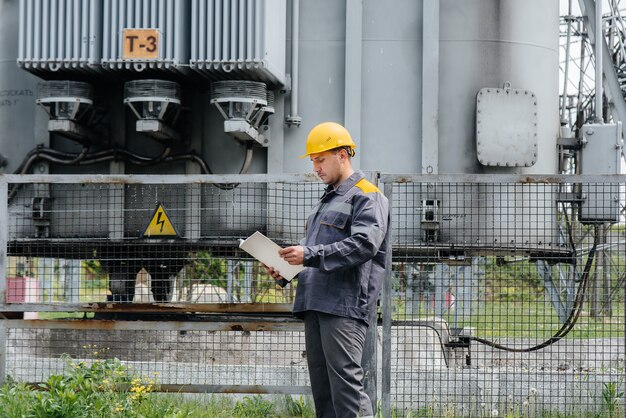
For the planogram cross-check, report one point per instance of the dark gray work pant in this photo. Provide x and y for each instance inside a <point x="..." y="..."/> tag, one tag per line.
<point x="334" y="348"/>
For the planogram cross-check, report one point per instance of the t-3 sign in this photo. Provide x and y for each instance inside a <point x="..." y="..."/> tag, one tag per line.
<point x="141" y="44"/>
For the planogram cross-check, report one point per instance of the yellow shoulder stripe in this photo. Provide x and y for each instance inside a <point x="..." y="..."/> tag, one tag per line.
<point x="366" y="186"/>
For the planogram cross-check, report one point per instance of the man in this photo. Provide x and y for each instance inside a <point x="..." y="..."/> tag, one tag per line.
<point x="345" y="250"/>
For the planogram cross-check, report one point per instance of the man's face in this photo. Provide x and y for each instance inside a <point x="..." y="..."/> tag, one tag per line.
<point x="328" y="166"/>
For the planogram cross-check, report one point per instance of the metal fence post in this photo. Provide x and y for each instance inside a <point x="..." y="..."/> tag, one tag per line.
<point x="387" y="312"/>
<point x="3" y="352"/>
<point x="4" y="220"/>
<point x="370" y="357"/>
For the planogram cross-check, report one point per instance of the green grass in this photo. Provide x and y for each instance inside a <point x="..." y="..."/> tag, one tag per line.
<point x="106" y="388"/>
<point x="528" y="319"/>
<point x="537" y="320"/>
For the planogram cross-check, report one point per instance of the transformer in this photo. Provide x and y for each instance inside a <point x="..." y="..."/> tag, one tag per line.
<point x="187" y="87"/>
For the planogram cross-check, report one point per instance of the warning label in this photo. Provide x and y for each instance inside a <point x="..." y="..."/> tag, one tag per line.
<point x="160" y="225"/>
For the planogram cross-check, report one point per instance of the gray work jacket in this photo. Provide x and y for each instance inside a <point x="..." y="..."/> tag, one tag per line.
<point x="345" y="248"/>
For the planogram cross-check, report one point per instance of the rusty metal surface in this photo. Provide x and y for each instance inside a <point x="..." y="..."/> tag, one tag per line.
<point x="254" y="389"/>
<point x="220" y="323"/>
<point x="161" y="307"/>
<point x="501" y="178"/>
<point x="155" y="179"/>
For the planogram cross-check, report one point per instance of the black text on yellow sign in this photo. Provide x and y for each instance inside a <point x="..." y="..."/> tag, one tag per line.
<point x="160" y="225"/>
<point x="141" y="44"/>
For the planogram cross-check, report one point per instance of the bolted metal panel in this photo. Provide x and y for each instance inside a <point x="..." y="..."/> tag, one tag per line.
<point x="169" y="18"/>
<point x="506" y="127"/>
<point x="63" y="35"/>
<point x="243" y="38"/>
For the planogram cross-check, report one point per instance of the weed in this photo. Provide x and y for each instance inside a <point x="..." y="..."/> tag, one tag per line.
<point x="611" y="397"/>
<point x="254" y="407"/>
<point x="299" y="407"/>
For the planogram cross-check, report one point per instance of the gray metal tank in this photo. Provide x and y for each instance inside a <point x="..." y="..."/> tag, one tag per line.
<point x="376" y="85"/>
<point x="17" y="94"/>
<point x="385" y="97"/>
<point x="493" y="48"/>
<point x="484" y="44"/>
<point x="503" y="52"/>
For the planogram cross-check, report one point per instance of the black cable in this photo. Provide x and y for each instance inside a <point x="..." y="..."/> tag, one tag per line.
<point x="570" y="235"/>
<point x="571" y="320"/>
<point x="115" y="153"/>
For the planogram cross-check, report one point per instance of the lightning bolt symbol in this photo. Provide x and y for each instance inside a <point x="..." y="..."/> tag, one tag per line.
<point x="160" y="222"/>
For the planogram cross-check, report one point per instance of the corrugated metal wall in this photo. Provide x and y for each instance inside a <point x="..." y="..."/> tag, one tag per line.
<point x="60" y="35"/>
<point x="170" y="17"/>
<point x="240" y="36"/>
<point x="217" y="38"/>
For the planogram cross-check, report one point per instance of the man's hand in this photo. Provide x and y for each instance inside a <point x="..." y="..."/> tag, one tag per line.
<point x="280" y="280"/>
<point x="293" y="255"/>
<point x="272" y="272"/>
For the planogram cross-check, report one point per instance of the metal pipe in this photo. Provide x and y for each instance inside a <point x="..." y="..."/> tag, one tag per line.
<point x="76" y="35"/>
<point x="293" y="118"/>
<point x="38" y="41"/>
<point x="85" y="21"/>
<point x="45" y="21"/>
<point x="60" y="35"/>
<point x="22" y="33"/>
<point x="54" y="48"/>
<point x="353" y="73"/>
<point x="198" y="12"/>
<point x="567" y="58"/>
<point x="430" y="88"/>
<point x="598" y="54"/>
<point x="581" y="84"/>
<point x="29" y="30"/>
<point x="106" y="24"/>
<point x="170" y="26"/>
<point x="615" y="95"/>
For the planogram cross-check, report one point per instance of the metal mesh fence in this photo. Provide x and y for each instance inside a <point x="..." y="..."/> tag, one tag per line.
<point x="506" y="298"/>
<point x="148" y="243"/>
<point x="505" y="294"/>
<point x="195" y="357"/>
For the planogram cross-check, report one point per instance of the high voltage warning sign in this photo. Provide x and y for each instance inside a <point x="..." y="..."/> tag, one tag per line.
<point x="160" y="225"/>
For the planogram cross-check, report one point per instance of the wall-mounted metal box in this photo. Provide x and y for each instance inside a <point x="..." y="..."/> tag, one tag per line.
<point x="60" y="35"/>
<point x="242" y="39"/>
<point x="601" y="153"/>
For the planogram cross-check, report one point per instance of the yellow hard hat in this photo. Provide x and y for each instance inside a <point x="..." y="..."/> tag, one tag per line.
<point x="327" y="136"/>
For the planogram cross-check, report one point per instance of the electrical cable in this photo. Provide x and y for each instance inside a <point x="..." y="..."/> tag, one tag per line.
<point x="568" y="226"/>
<point x="114" y="153"/>
<point x="571" y="320"/>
